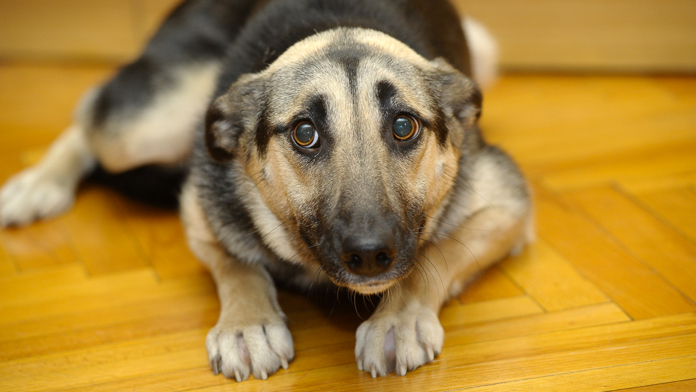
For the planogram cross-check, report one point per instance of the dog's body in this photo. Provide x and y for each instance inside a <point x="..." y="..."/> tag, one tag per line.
<point x="341" y="149"/>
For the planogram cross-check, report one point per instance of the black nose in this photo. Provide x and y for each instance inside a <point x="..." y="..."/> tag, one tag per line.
<point x="368" y="255"/>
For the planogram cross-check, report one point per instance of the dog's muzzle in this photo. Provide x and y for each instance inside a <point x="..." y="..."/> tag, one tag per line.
<point x="368" y="254"/>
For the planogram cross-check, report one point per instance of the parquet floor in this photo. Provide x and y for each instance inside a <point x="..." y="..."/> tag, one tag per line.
<point x="108" y="297"/>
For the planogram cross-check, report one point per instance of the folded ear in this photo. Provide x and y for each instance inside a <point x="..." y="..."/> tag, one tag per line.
<point x="230" y="115"/>
<point x="459" y="97"/>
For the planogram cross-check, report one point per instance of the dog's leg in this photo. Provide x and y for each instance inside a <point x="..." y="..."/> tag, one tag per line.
<point x="145" y="115"/>
<point x="48" y="188"/>
<point x="162" y="130"/>
<point x="159" y="132"/>
<point x="251" y="335"/>
<point x="404" y="332"/>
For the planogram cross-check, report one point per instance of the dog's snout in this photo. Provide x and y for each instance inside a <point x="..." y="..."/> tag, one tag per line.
<point x="368" y="255"/>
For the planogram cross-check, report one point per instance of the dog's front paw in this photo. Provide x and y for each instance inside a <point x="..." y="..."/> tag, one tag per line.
<point x="33" y="195"/>
<point x="398" y="341"/>
<point x="237" y="351"/>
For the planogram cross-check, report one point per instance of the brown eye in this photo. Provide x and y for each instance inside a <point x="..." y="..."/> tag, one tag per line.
<point x="305" y="135"/>
<point x="405" y="127"/>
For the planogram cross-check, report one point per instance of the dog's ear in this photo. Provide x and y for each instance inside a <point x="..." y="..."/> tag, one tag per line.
<point x="458" y="96"/>
<point x="230" y="115"/>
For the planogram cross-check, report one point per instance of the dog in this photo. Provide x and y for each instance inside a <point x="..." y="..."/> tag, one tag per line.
<point x="325" y="143"/>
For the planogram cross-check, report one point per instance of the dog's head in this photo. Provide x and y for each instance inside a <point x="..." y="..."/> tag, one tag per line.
<point x="351" y="142"/>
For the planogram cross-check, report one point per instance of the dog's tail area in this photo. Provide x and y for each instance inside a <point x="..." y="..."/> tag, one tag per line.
<point x="483" y="50"/>
<point x="153" y="184"/>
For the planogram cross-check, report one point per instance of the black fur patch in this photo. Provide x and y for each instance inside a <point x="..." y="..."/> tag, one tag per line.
<point x="430" y="27"/>
<point x="349" y="59"/>
<point x="197" y="31"/>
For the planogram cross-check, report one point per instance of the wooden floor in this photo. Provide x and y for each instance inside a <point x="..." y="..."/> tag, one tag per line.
<point x="108" y="297"/>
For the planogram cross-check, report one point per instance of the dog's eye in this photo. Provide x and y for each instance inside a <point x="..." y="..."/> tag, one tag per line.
<point x="405" y="127"/>
<point x="305" y="135"/>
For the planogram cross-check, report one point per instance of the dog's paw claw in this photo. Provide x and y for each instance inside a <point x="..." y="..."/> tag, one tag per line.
<point x="429" y="351"/>
<point x="398" y="342"/>
<point x="402" y="370"/>
<point x="215" y="365"/>
<point x="238" y="352"/>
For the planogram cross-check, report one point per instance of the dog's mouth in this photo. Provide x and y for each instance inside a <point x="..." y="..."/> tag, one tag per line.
<point x="371" y="288"/>
<point x="369" y="285"/>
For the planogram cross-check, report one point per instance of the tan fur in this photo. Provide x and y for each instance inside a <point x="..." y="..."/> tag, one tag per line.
<point x="250" y="335"/>
<point x="164" y="132"/>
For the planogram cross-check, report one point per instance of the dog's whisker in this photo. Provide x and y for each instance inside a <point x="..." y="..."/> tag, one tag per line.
<point x="338" y="289"/>
<point x="419" y="268"/>
<point x="303" y="251"/>
<point x="459" y="242"/>
<point x="315" y="277"/>
<point x="442" y="283"/>
<point x="265" y="236"/>
<point x="432" y="243"/>
<point x="354" y="300"/>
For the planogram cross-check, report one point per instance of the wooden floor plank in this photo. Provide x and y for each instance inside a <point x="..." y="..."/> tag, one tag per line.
<point x="661" y="183"/>
<point x="676" y="206"/>
<point x="41" y="245"/>
<point x="562" y="130"/>
<point x="122" y="332"/>
<point x="605" y="262"/>
<point x="653" y="242"/>
<point x="607" y="313"/>
<point x="46" y="328"/>
<point x="76" y="287"/>
<point x="550" y="279"/>
<point x="101" y="372"/>
<point x="160" y="236"/>
<point x="466" y="352"/>
<point x="492" y="284"/>
<point x="678" y="386"/>
<point x="629" y="375"/>
<point x="489" y="310"/>
<point x="19" y="287"/>
<point x="634" y="168"/>
<point x="95" y="225"/>
<point x="7" y="266"/>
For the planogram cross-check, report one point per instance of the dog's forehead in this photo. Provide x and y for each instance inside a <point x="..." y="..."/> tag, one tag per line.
<point x="345" y="67"/>
<point x="357" y="38"/>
